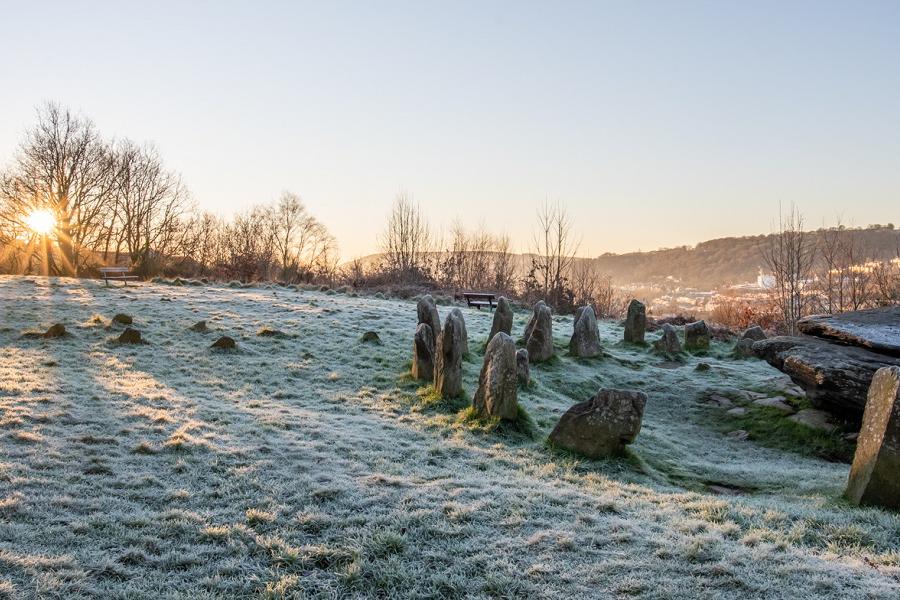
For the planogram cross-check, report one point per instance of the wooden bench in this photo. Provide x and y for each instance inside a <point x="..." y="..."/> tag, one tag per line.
<point x="479" y="299"/>
<point x="116" y="274"/>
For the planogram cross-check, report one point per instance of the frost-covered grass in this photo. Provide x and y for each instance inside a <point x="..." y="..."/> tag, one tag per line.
<point x="309" y="464"/>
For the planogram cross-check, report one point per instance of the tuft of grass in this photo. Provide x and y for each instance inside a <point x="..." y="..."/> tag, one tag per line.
<point x="257" y="516"/>
<point x="769" y="427"/>
<point x="522" y="425"/>
<point x="430" y="400"/>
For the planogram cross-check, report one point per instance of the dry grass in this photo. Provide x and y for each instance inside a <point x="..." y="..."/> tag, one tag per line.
<point x="308" y="466"/>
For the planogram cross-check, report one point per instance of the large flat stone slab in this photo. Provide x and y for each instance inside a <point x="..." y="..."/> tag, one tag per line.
<point x="835" y="377"/>
<point x="877" y="329"/>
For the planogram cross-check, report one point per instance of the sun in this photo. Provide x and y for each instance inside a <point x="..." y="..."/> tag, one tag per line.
<point x="41" y="221"/>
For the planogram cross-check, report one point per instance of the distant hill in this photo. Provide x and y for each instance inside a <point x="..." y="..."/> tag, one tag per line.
<point x="713" y="263"/>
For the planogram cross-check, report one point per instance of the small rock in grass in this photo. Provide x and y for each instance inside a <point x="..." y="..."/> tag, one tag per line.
<point x="702" y="367"/>
<point x="811" y="417"/>
<point x="601" y="426"/>
<point x="739" y="434"/>
<point x="721" y="400"/>
<point x="56" y="330"/>
<point x="272" y="333"/>
<point x="370" y="337"/>
<point x="199" y="327"/>
<point x="777" y="403"/>
<point x="123" y="319"/>
<point x="130" y="336"/>
<point x="224" y="343"/>
<point x="737" y="411"/>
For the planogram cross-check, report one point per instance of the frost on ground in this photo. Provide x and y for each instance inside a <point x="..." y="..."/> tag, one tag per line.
<point x="308" y="464"/>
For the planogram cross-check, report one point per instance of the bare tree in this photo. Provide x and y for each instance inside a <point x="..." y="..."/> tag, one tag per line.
<point x="554" y="252"/>
<point x="406" y="240"/>
<point x="790" y="254"/>
<point x="64" y="167"/>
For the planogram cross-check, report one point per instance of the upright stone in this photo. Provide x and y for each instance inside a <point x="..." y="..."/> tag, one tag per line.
<point x="496" y="394"/>
<point x="744" y="346"/>
<point x="540" y="342"/>
<point x="464" y="335"/>
<point x="533" y="321"/>
<point x="503" y="318"/>
<point x="696" y="336"/>
<point x="427" y="312"/>
<point x="875" y="474"/>
<point x="668" y="342"/>
<point x="423" y="353"/>
<point x="523" y="372"/>
<point x="635" y="322"/>
<point x="585" y="340"/>
<point x="754" y="333"/>
<point x="448" y="357"/>
<point x="601" y="426"/>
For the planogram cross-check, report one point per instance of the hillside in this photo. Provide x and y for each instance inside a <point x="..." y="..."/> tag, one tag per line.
<point x="712" y="263"/>
<point x="307" y="464"/>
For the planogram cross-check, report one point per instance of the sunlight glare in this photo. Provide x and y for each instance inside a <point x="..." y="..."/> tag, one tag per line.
<point x="41" y="221"/>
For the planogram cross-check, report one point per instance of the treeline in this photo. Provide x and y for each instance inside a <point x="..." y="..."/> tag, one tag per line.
<point x="108" y="202"/>
<point x="414" y="257"/>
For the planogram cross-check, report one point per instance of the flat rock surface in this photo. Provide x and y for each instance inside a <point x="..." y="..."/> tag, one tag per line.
<point x="877" y="329"/>
<point x="835" y="377"/>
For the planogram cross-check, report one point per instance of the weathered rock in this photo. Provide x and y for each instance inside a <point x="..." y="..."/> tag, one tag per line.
<point x="702" y="367"/>
<point x="635" y="322"/>
<point x="754" y="333"/>
<point x="272" y="333"/>
<point x="199" y="327"/>
<point x="224" y="343"/>
<point x="875" y="474"/>
<point x="370" y="337"/>
<point x="585" y="340"/>
<point x="696" y="336"/>
<point x="57" y="330"/>
<point x="777" y="403"/>
<point x="835" y="378"/>
<point x="130" y="336"/>
<point x="540" y="342"/>
<point x="743" y="348"/>
<point x="523" y="371"/>
<point x="496" y="393"/>
<point x="533" y="321"/>
<point x="448" y="357"/>
<point x="503" y="318"/>
<point x="739" y="434"/>
<point x="668" y="342"/>
<point x="123" y="319"/>
<point x="423" y="353"/>
<point x="813" y="418"/>
<point x="737" y="411"/>
<point x="601" y="426"/>
<point x="427" y="312"/>
<point x="464" y="333"/>
<point x="877" y="329"/>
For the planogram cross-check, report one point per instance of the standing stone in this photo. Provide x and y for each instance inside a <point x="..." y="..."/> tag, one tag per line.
<point x="427" y="312"/>
<point x="696" y="336"/>
<point x="585" y="340"/>
<point x="635" y="322"/>
<point x="523" y="372"/>
<point x="496" y="394"/>
<point x="533" y="321"/>
<point x="448" y="357"/>
<point x="130" y="336"/>
<point x="464" y="335"/>
<point x="540" y="342"/>
<point x="423" y="353"/>
<point x="668" y="342"/>
<point x="503" y="318"/>
<point x="601" y="426"/>
<point x="875" y="474"/>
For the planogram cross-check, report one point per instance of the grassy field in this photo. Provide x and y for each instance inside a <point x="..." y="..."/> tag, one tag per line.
<point x="310" y="465"/>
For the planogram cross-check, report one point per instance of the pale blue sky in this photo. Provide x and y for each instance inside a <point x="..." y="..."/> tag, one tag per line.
<point x="656" y="123"/>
